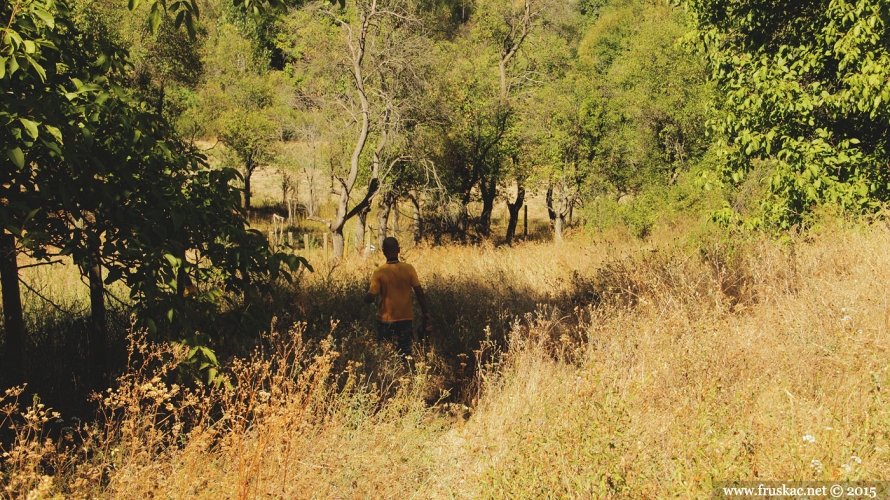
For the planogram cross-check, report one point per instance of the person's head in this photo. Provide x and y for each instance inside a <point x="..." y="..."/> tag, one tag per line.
<point x="390" y="247"/>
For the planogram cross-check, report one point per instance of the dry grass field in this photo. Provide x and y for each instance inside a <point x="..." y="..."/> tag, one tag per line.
<point x="604" y="368"/>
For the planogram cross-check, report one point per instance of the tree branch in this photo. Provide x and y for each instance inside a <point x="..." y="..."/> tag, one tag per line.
<point x="38" y="264"/>
<point x="366" y="202"/>
<point x="55" y="306"/>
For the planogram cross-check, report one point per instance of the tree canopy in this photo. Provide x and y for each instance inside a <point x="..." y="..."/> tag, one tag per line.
<point x="803" y="86"/>
<point x="95" y="173"/>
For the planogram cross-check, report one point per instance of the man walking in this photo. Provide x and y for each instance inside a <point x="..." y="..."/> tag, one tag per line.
<point x="393" y="281"/>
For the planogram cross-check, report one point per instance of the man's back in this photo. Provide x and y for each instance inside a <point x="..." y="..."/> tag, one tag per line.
<point x="393" y="282"/>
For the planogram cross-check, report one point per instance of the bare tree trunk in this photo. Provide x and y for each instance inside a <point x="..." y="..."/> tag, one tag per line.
<point x="357" y="51"/>
<point x="383" y="209"/>
<point x="550" y="212"/>
<point x="13" y="316"/>
<point x="309" y="173"/>
<point x="571" y="210"/>
<point x="248" y="172"/>
<point x="417" y="217"/>
<point x="338" y="242"/>
<point x="396" y="219"/>
<point x="561" y="210"/>
<point x="513" y="209"/>
<point x="360" y="225"/>
<point x="489" y="191"/>
<point x="463" y="218"/>
<point x="511" y="44"/>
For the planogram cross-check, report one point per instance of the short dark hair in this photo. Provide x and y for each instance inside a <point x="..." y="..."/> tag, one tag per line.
<point x="390" y="244"/>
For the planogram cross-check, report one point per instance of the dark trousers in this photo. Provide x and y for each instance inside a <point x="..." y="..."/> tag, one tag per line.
<point x="399" y="332"/>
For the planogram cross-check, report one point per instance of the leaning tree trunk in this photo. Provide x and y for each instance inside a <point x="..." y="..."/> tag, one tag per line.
<point x="513" y="209"/>
<point x="13" y="316"/>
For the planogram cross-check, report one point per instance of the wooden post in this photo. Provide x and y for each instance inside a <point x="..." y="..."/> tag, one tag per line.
<point x="290" y="238"/>
<point x="324" y="242"/>
<point x="306" y="241"/>
<point x="525" y="222"/>
<point x="271" y="238"/>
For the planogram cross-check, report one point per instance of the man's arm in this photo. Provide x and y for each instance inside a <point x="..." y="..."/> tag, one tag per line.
<point x="374" y="289"/>
<point x="421" y="299"/>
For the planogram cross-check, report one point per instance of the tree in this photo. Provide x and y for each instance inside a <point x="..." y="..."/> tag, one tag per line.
<point x="477" y="124"/>
<point x="375" y="41"/>
<point x="92" y="172"/>
<point x="489" y="85"/>
<point x="43" y="123"/>
<point x="503" y="28"/>
<point x="804" y="89"/>
<point x="250" y="134"/>
<point x="651" y="91"/>
<point x="567" y="131"/>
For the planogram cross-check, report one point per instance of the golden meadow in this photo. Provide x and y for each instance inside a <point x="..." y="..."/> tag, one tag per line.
<point x="606" y="367"/>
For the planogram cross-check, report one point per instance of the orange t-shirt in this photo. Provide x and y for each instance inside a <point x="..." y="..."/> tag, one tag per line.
<point x="394" y="283"/>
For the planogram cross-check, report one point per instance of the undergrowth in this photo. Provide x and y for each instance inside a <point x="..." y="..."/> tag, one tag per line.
<point x="600" y="369"/>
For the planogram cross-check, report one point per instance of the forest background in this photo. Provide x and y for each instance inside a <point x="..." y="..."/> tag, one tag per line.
<point x="193" y="193"/>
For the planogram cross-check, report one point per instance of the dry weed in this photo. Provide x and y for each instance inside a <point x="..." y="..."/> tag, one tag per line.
<point x="615" y="372"/>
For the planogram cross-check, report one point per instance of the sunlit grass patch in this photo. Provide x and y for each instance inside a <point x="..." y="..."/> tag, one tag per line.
<point x="582" y="371"/>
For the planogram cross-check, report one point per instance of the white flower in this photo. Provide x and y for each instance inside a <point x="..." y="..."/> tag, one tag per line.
<point x="846" y="318"/>
<point x="809" y="439"/>
<point x="856" y="459"/>
<point x="816" y="465"/>
<point x="846" y="467"/>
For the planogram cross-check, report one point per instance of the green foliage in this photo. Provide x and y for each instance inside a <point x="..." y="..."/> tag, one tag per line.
<point x="564" y="130"/>
<point x="804" y="85"/>
<point x="477" y="121"/>
<point x="651" y="91"/>
<point x="186" y="13"/>
<point x="249" y="134"/>
<point x="653" y="207"/>
<point x="94" y="173"/>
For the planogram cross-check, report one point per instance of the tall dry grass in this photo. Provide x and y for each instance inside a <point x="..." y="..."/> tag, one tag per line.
<point x="596" y="370"/>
